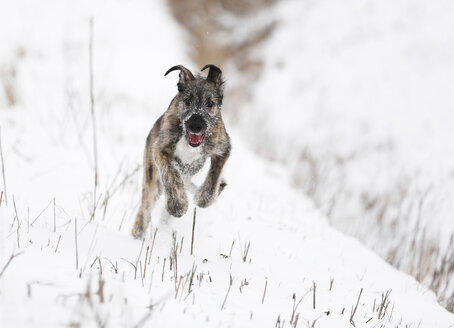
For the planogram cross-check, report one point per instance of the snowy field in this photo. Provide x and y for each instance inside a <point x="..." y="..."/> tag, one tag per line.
<point x="355" y="98"/>
<point x="263" y="255"/>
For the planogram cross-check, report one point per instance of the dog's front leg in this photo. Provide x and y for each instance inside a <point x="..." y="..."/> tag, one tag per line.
<point x="209" y="189"/>
<point x="177" y="202"/>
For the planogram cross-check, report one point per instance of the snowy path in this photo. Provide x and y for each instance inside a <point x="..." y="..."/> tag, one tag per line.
<point x="291" y="248"/>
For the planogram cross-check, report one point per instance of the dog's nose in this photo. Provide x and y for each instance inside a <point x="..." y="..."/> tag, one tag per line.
<point x="196" y="124"/>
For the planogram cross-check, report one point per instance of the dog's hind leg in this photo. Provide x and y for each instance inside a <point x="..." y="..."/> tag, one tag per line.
<point x="150" y="193"/>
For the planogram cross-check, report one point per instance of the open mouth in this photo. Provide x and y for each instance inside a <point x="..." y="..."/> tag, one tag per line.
<point x="195" y="139"/>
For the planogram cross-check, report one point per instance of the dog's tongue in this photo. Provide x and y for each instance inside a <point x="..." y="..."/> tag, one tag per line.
<point x="195" y="139"/>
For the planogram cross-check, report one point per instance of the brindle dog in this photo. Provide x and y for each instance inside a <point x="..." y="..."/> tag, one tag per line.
<point x="189" y="132"/>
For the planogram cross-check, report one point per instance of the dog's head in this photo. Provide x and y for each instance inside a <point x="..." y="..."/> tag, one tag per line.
<point x="199" y="102"/>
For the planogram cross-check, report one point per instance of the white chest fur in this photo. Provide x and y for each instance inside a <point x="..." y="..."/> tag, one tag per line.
<point x="186" y="153"/>
<point x="189" y="160"/>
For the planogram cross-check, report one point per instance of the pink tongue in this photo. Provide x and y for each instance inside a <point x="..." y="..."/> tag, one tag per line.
<point x="195" y="138"/>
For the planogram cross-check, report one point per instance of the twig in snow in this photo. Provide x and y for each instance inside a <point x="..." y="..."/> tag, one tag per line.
<point x="140" y="253"/>
<point x="16" y="216"/>
<point x="3" y="170"/>
<point x="145" y="262"/>
<point x="133" y="265"/>
<point x="101" y="283"/>
<point x="354" y="309"/>
<point x="55" y="228"/>
<point x="231" y="248"/>
<point x="121" y="222"/>
<point x="278" y="323"/>
<point x="17" y="236"/>
<point x="193" y="228"/>
<point x="174" y="259"/>
<point x="93" y="263"/>
<point x="177" y="286"/>
<point x="151" y="281"/>
<point x="152" y="244"/>
<point x="264" y="290"/>
<point x="75" y="238"/>
<point x="9" y="261"/>
<point x="122" y="182"/>
<point x="112" y="190"/>
<point x="58" y="243"/>
<point x="141" y="274"/>
<point x="18" y="224"/>
<point x="245" y="251"/>
<point x="191" y="277"/>
<point x="115" y="267"/>
<point x="93" y="116"/>
<point x="295" y="316"/>
<point x="383" y="304"/>
<point x="40" y="213"/>
<point x="314" y="288"/>
<point x="163" y="267"/>
<point x="228" y="291"/>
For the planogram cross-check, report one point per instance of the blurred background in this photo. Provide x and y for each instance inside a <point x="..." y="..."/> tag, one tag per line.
<point x="353" y="97"/>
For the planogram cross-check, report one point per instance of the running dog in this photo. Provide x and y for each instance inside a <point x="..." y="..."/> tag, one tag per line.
<point x="181" y="140"/>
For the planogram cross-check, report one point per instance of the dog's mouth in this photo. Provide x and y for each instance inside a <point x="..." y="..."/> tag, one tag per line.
<point x="195" y="139"/>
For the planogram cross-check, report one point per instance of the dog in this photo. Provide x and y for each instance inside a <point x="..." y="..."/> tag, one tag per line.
<point x="180" y="142"/>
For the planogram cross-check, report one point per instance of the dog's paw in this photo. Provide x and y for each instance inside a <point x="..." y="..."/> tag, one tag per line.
<point x="203" y="198"/>
<point x="177" y="206"/>
<point x="138" y="230"/>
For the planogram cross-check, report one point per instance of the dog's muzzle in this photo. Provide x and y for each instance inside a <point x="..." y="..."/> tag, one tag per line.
<point x="196" y="127"/>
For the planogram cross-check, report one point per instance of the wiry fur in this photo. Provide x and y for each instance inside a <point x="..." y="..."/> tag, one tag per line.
<point x="169" y="159"/>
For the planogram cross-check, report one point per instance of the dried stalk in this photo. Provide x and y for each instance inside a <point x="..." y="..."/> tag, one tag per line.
<point x="3" y="169"/>
<point x="93" y="116"/>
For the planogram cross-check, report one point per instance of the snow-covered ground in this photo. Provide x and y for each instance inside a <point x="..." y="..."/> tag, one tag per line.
<point x="258" y="251"/>
<point x="355" y="97"/>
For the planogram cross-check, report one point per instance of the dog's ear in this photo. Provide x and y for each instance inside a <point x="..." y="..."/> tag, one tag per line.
<point x="214" y="74"/>
<point x="185" y="75"/>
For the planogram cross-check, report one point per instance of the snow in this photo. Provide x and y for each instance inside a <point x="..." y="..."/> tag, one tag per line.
<point x="361" y="110"/>
<point x="47" y="146"/>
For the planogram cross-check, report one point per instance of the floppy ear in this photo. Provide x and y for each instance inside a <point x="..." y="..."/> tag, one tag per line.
<point x="185" y="75"/>
<point x="214" y="74"/>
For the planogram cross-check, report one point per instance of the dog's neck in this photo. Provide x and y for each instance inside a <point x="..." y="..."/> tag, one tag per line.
<point x="189" y="160"/>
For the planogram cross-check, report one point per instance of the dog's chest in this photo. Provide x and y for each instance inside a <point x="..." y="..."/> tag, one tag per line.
<point x="189" y="160"/>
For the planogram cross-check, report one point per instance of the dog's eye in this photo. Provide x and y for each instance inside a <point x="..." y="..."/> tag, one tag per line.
<point x="187" y="101"/>
<point x="210" y="103"/>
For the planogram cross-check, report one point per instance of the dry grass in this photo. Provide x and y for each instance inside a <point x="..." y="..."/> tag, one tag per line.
<point x="210" y="36"/>
<point x="98" y="295"/>
<point x="8" y="78"/>
<point x="8" y="81"/>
